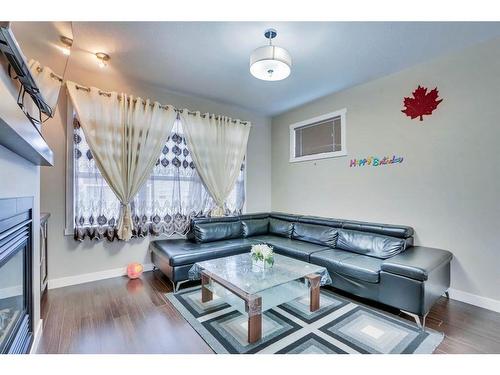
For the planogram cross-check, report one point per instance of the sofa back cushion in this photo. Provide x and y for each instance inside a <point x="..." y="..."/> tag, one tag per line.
<point x="209" y="232"/>
<point x="255" y="227"/>
<point x="375" y="245"/>
<point x="398" y="231"/>
<point x="280" y="228"/>
<point x="318" y="234"/>
<point x="317" y="220"/>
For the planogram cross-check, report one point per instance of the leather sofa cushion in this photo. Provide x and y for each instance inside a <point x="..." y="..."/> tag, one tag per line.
<point x="356" y="266"/>
<point x="374" y="245"/>
<point x="221" y="219"/>
<point x="209" y="232"/>
<point x="399" y="231"/>
<point x="284" y="216"/>
<point x="293" y="248"/>
<point x="180" y="252"/>
<point x="317" y="220"/>
<point x="417" y="262"/>
<point x="280" y="227"/>
<point x="261" y="215"/>
<point x="317" y="234"/>
<point x="255" y="227"/>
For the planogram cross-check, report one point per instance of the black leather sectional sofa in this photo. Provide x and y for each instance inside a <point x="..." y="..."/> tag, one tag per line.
<point x="374" y="261"/>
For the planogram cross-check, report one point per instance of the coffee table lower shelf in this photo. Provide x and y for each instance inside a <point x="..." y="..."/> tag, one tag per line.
<point x="255" y="304"/>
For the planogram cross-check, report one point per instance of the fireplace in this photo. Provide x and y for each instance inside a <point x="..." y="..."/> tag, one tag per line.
<point x="16" y="305"/>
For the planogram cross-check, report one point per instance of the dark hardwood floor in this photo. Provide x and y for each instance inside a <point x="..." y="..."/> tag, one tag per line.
<point x="116" y="316"/>
<point x="133" y="316"/>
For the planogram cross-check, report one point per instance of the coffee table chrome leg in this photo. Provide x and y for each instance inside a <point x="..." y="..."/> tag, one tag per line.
<point x="254" y="309"/>
<point x="206" y="295"/>
<point x="314" y="288"/>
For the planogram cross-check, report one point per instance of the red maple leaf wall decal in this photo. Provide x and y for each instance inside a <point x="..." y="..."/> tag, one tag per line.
<point x="422" y="103"/>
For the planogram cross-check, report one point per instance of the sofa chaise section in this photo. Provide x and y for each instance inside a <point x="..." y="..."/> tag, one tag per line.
<point x="417" y="262"/>
<point x="422" y="275"/>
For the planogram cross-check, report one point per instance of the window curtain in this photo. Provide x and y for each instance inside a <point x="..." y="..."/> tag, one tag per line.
<point x="125" y="135"/>
<point x="218" y="146"/>
<point x="172" y="195"/>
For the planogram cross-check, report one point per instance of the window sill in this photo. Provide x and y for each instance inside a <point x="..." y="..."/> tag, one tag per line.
<point x="326" y="155"/>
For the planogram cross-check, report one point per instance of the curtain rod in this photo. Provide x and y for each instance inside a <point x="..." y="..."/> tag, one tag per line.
<point x="108" y="94"/>
<point x="52" y="75"/>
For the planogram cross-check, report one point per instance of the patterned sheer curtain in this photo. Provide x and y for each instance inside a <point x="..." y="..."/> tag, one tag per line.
<point x="173" y="194"/>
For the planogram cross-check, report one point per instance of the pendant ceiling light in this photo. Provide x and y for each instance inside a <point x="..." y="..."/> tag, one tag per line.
<point x="270" y="63"/>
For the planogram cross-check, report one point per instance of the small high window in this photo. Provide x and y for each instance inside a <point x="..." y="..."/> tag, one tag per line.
<point x="318" y="138"/>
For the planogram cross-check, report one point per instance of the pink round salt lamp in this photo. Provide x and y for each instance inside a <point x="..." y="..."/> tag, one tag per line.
<point x="134" y="270"/>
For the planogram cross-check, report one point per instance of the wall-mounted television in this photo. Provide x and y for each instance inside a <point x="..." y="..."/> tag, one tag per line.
<point x="37" y="55"/>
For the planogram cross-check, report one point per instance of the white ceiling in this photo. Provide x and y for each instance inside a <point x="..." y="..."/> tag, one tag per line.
<point x="210" y="59"/>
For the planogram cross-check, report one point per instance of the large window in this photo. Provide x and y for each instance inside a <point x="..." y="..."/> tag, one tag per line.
<point x="318" y="138"/>
<point x="165" y="204"/>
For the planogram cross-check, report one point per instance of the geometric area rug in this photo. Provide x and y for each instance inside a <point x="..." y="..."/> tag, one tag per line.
<point x="340" y="326"/>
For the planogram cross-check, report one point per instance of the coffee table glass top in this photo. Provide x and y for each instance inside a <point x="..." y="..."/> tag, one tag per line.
<point x="240" y="271"/>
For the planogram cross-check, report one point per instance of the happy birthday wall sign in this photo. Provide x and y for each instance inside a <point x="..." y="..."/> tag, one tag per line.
<point x="375" y="162"/>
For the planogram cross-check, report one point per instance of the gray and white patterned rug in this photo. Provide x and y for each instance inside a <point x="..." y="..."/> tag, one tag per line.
<point x="340" y="326"/>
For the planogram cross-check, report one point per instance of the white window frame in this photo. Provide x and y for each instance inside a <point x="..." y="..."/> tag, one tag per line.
<point x="324" y="155"/>
<point x="69" y="228"/>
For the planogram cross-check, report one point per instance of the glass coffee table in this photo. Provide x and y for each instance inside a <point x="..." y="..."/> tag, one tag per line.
<point x="252" y="289"/>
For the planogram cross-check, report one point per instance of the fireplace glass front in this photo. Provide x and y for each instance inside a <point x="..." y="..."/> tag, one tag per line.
<point x="16" y="302"/>
<point x="12" y="297"/>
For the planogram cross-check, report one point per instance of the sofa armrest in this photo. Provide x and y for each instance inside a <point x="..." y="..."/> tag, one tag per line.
<point x="417" y="262"/>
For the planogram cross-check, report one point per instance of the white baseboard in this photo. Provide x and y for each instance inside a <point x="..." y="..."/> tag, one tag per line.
<point x="93" y="276"/>
<point x="37" y="337"/>
<point x="473" y="299"/>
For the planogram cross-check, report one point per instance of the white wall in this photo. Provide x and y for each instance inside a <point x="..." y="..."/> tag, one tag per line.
<point x="447" y="187"/>
<point x="68" y="258"/>
<point x="20" y="178"/>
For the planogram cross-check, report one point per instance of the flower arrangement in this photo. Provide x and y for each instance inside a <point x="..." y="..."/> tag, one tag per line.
<point x="262" y="255"/>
